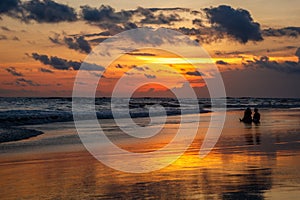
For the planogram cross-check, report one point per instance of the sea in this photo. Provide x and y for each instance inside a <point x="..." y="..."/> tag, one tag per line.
<point x="29" y="111"/>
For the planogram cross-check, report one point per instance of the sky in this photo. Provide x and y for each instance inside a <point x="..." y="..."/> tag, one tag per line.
<point x="254" y="45"/>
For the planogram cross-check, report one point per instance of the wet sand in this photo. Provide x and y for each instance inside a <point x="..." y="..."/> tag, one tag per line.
<point x="248" y="162"/>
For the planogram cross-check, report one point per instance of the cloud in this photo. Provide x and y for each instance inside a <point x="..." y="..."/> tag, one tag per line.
<point x="55" y="39"/>
<point x="48" y="11"/>
<point x="189" y="31"/>
<point x="3" y="37"/>
<point x="286" y="31"/>
<point x="8" y="5"/>
<point x="194" y="73"/>
<point x="63" y="64"/>
<point x="236" y="23"/>
<point x="156" y="37"/>
<point x="264" y="62"/>
<point x="85" y="66"/>
<point x="57" y="63"/>
<point x="221" y="62"/>
<point x="198" y="22"/>
<point x="113" y="28"/>
<point x="118" y="66"/>
<point x="149" y="76"/>
<point x="46" y="70"/>
<point x="26" y="82"/>
<point x="97" y="74"/>
<point x="13" y="71"/>
<point x="150" y="18"/>
<point x="4" y="28"/>
<point x="104" y="13"/>
<point x="129" y="73"/>
<point x="78" y="43"/>
<point x="97" y="40"/>
<point x="170" y="9"/>
<point x="141" y="54"/>
<point x="103" y="33"/>
<point x="141" y="69"/>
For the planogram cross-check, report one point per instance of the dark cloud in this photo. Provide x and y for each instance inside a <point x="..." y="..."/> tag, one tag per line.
<point x="129" y="73"/>
<point x="118" y="66"/>
<point x="113" y="28"/>
<point x="115" y="22"/>
<point x="149" y="76"/>
<point x="189" y="31"/>
<point x="48" y="11"/>
<point x="264" y="62"/>
<point x="287" y="31"/>
<point x="236" y="23"/>
<point x="104" y="33"/>
<point x="97" y="74"/>
<point x="150" y="18"/>
<point x="86" y="66"/>
<point x="79" y="44"/>
<point x="97" y="40"/>
<point x="203" y="34"/>
<point x="8" y="5"/>
<point x="13" y="71"/>
<point x="46" y="70"/>
<point x="15" y="38"/>
<point x="255" y="52"/>
<point x="221" y="62"/>
<point x="26" y="82"/>
<point x="55" y="39"/>
<point x="198" y="22"/>
<point x="3" y="37"/>
<point x="194" y="73"/>
<point x="105" y="13"/>
<point x="140" y="54"/>
<point x="156" y="37"/>
<point x="4" y="28"/>
<point x="141" y="69"/>
<point x="169" y="9"/>
<point x="63" y="64"/>
<point x="165" y="71"/>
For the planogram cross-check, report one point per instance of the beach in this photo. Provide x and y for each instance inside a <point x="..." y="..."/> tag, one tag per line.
<point x="149" y="100"/>
<point x="248" y="162"/>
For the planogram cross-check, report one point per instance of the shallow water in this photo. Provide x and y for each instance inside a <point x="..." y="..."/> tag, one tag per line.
<point x="248" y="162"/>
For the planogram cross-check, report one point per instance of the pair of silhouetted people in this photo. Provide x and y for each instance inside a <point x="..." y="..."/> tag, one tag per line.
<point x="248" y="116"/>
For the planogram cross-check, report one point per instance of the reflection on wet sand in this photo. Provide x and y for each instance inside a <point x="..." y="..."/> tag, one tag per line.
<point x="247" y="163"/>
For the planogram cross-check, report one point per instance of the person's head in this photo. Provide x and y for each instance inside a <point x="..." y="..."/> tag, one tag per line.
<point x="248" y="109"/>
<point x="255" y="110"/>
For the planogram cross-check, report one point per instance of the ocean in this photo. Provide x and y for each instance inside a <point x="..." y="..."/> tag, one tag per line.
<point x="25" y="111"/>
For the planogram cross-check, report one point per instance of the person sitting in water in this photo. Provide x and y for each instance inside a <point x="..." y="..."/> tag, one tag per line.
<point x="247" y="116"/>
<point x="256" y="116"/>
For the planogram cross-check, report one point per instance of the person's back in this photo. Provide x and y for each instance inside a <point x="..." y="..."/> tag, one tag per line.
<point x="247" y="116"/>
<point x="256" y="116"/>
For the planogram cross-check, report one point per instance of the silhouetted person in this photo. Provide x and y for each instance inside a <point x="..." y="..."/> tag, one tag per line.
<point x="247" y="116"/>
<point x="256" y="116"/>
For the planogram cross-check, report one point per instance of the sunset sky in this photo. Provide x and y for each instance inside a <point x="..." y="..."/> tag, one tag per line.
<point x="255" y="45"/>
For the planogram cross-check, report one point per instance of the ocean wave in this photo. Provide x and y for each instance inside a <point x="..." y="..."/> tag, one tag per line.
<point x="29" y="111"/>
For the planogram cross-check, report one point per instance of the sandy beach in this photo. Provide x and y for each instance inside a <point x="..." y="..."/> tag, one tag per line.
<point x="248" y="162"/>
